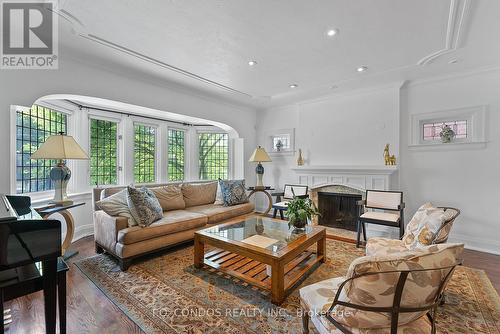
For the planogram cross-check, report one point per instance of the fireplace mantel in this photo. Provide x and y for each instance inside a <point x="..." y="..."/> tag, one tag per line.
<point x="346" y="169"/>
<point x="360" y="177"/>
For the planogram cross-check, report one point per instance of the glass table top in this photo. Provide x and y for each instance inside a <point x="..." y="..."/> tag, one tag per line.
<point x="261" y="232"/>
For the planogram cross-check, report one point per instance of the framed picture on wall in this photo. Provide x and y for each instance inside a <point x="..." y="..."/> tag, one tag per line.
<point x="281" y="141"/>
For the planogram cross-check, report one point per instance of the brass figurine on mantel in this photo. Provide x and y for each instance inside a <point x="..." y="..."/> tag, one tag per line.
<point x="300" y="160"/>
<point x="390" y="160"/>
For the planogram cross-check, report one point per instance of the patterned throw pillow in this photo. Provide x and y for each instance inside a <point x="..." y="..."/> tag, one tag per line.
<point x="144" y="206"/>
<point x="423" y="227"/>
<point x="233" y="192"/>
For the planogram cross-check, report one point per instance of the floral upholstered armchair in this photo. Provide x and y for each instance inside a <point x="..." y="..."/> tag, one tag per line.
<point x="383" y="295"/>
<point x="430" y="225"/>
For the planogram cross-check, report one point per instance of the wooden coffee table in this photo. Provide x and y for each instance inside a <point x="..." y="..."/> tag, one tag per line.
<point x="255" y="246"/>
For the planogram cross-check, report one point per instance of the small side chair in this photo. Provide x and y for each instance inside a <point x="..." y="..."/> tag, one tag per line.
<point x="290" y="191"/>
<point x="392" y="214"/>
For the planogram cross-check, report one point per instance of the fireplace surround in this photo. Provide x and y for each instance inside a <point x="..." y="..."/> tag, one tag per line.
<point x="338" y="210"/>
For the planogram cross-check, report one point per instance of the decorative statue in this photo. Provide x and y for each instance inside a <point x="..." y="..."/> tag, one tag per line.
<point x="279" y="145"/>
<point x="300" y="160"/>
<point x="388" y="158"/>
<point x="447" y="134"/>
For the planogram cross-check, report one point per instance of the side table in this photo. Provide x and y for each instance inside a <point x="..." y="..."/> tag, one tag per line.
<point x="63" y="210"/>
<point x="264" y="190"/>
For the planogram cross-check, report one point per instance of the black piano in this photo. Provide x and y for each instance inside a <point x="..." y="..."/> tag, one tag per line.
<point x="30" y="250"/>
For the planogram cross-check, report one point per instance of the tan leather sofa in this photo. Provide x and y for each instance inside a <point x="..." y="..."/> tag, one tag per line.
<point x="183" y="215"/>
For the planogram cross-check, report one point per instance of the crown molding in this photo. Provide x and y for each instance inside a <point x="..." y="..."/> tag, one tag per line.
<point x="457" y="75"/>
<point x="457" y="18"/>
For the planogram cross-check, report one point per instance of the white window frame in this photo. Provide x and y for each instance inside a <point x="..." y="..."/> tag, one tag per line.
<point x="476" y="127"/>
<point x="199" y="130"/>
<point x="185" y="129"/>
<point x="91" y="114"/>
<point x="38" y="195"/>
<point x="158" y="147"/>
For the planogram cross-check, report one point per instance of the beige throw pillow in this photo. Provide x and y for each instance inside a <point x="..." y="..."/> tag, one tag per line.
<point x="199" y="193"/>
<point x="170" y="197"/>
<point x="117" y="205"/>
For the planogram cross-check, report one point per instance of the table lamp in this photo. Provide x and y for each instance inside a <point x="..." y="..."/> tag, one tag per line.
<point x="259" y="155"/>
<point x="60" y="147"/>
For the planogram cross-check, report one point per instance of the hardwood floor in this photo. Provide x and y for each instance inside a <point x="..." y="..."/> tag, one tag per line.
<point x="90" y="311"/>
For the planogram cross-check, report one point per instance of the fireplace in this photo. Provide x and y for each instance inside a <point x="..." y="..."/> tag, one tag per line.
<point x="338" y="210"/>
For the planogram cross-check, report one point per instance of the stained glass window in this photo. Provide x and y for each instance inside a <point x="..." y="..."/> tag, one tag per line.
<point x="431" y="131"/>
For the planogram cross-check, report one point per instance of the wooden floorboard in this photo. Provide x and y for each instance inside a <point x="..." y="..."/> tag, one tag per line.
<point x="90" y="311"/>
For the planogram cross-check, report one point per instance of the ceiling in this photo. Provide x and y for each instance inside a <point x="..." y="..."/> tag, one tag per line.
<point x="205" y="45"/>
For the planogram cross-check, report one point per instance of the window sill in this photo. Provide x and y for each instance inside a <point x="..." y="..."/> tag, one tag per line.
<point x="471" y="145"/>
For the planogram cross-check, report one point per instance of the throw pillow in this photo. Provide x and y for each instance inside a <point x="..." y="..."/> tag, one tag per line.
<point x="423" y="227"/>
<point x="170" y="197"/>
<point x="117" y="205"/>
<point x="144" y="206"/>
<point x="219" y="199"/>
<point x="233" y="192"/>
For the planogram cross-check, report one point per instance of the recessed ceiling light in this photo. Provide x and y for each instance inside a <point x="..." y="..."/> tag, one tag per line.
<point x="332" y="32"/>
<point x="252" y="62"/>
<point x="334" y="87"/>
<point x="294" y="86"/>
<point x="361" y="68"/>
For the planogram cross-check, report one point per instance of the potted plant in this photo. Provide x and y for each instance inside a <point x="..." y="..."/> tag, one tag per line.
<point x="299" y="211"/>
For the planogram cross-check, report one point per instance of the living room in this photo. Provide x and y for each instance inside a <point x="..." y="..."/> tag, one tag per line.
<point x="216" y="166"/>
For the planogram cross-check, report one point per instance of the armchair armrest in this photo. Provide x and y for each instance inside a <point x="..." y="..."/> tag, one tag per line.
<point x="278" y="194"/>
<point x="106" y="229"/>
<point x="401" y="206"/>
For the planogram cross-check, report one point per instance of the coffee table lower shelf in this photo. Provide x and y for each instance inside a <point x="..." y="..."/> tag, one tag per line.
<point x="255" y="273"/>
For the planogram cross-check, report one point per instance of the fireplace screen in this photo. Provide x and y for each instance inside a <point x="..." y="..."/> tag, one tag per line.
<point x="338" y="210"/>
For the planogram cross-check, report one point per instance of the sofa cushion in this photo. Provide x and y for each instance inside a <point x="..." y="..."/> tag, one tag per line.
<point x="199" y="193"/>
<point x="144" y="206"/>
<point x="218" y="213"/>
<point x="117" y="205"/>
<point x="173" y="222"/>
<point x="170" y="197"/>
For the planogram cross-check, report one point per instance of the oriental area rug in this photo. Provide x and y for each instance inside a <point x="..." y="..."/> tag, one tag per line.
<point x="166" y="294"/>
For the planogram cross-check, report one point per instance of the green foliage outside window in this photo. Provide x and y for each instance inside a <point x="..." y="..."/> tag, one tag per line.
<point x="144" y="153"/>
<point x="33" y="127"/>
<point x="176" y="155"/>
<point x="103" y="152"/>
<point x="213" y="156"/>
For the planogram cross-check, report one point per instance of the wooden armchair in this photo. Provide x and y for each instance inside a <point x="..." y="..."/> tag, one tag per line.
<point x="392" y="214"/>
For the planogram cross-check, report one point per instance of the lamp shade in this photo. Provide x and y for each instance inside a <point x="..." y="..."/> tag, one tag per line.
<point x="259" y="155"/>
<point x="60" y="147"/>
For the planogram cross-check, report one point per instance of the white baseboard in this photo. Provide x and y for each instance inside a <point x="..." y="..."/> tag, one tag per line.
<point x="83" y="231"/>
<point x="477" y="244"/>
